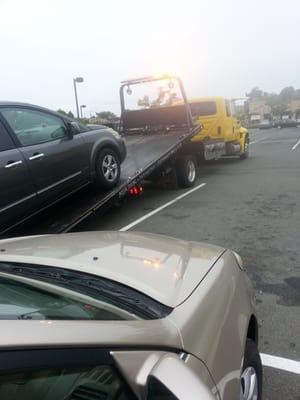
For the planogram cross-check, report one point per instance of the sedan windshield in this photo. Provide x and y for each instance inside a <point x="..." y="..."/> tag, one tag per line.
<point x="40" y="292"/>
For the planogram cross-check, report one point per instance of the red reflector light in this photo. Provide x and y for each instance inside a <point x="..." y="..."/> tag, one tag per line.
<point x="135" y="190"/>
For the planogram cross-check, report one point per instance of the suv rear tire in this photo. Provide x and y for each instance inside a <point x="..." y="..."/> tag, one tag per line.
<point x="108" y="168"/>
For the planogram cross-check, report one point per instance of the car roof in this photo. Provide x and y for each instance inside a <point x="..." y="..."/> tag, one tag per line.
<point x="20" y="104"/>
<point x="166" y="269"/>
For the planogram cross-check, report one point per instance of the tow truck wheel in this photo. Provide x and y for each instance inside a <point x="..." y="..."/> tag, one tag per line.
<point x="186" y="170"/>
<point x="245" y="154"/>
<point x="108" y="168"/>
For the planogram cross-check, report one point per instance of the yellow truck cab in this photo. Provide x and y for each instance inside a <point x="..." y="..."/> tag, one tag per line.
<point x="222" y="133"/>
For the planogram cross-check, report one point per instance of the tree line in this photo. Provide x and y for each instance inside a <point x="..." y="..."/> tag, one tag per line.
<point x="279" y="102"/>
<point x="106" y="115"/>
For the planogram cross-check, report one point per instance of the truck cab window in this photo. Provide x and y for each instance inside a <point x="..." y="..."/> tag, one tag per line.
<point x="203" y="108"/>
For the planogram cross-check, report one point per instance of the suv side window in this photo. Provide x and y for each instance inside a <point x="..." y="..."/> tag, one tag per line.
<point x="33" y="127"/>
<point x="228" y="111"/>
<point x="61" y="375"/>
<point x="6" y="142"/>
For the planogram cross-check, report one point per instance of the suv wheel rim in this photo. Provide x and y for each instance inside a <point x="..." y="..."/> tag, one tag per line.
<point x="191" y="171"/>
<point x="249" y="385"/>
<point x="110" y="168"/>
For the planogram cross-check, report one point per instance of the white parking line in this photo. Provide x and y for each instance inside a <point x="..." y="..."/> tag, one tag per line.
<point x="146" y="216"/>
<point x="280" y="363"/>
<point x="259" y="140"/>
<point x="296" y="145"/>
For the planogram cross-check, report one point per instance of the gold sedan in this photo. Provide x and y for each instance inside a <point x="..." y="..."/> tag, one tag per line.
<point x="109" y="315"/>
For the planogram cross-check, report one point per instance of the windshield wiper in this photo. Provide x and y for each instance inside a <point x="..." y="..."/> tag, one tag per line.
<point x="101" y="288"/>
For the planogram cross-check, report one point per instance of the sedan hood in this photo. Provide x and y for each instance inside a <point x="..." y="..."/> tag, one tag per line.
<point x="166" y="269"/>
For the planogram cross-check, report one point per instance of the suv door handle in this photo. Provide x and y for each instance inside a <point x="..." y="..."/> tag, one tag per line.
<point x="12" y="164"/>
<point x="36" y="156"/>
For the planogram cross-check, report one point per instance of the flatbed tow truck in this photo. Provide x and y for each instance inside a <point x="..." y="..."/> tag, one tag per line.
<point x="157" y="135"/>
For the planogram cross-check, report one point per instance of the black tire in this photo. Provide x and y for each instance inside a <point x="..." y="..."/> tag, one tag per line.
<point x="245" y="155"/>
<point x="252" y="360"/>
<point x="108" y="168"/>
<point x="186" y="171"/>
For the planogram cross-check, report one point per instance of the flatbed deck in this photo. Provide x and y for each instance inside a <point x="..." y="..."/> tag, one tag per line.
<point x="145" y="153"/>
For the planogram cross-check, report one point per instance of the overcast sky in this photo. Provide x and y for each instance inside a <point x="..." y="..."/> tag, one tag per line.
<point x="217" y="47"/>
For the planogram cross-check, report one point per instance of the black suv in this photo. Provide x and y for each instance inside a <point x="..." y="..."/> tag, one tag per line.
<point x="45" y="156"/>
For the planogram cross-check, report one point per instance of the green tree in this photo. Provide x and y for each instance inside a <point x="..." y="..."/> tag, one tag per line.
<point x="278" y="106"/>
<point x="161" y="97"/>
<point x="287" y="94"/>
<point x="279" y="103"/>
<point x="67" y="114"/>
<point x="297" y="94"/>
<point x="144" y="102"/>
<point x="255" y="94"/>
<point x="108" y="115"/>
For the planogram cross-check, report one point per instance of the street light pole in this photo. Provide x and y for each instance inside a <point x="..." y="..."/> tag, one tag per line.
<point x="77" y="80"/>
<point x="81" y="112"/>
<point x="76" y="97"/>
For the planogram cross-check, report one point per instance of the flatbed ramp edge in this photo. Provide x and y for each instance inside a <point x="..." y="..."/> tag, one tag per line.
<point x="146" y="153"/>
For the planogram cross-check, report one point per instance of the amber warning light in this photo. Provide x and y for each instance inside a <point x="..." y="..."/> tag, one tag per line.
<point x="135" y="190"/>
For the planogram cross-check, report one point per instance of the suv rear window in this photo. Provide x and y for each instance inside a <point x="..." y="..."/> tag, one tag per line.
<point x="203" y="108"/>
<point x="38" y="292"/>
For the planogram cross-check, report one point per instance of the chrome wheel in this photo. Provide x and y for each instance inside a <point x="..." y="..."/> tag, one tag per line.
<point x="191" y="171"/>
<point x="110" y="168"/>
<point x="249" y="384"/>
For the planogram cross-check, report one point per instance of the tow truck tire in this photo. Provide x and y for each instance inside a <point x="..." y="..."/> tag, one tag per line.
<point x="186" y="171"/>
<point x="252" y="373"/>
<point x="245" y="154"/>
<point x="108" y="168"/>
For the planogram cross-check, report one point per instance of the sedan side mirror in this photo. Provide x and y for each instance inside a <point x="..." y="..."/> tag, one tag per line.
<point x="172" y="377"/>
<point x="156" y="375"/>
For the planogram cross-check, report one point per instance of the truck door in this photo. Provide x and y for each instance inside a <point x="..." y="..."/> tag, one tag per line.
<point x="231" y="128"/>
<point x="235" y="122"/>
<point x="18" y="196"/>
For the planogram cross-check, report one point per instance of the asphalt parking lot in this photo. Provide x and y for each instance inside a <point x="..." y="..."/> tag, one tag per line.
<point x="252" y="207"/>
